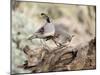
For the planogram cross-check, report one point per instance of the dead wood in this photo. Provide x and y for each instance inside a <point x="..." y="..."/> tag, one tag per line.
<point x="60" y="59"/>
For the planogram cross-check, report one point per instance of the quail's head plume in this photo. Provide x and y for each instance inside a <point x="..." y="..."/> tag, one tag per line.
<point x="45" y="17"/>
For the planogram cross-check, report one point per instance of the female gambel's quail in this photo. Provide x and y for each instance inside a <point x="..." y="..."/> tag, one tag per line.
<point x="48" y="31"/>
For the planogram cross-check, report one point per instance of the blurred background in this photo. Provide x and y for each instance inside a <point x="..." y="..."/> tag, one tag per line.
<point x="78" y="20"/>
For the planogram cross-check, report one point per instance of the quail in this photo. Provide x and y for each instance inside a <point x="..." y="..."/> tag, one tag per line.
<point x="47" y="31"/>
<point x="50" y="32"/>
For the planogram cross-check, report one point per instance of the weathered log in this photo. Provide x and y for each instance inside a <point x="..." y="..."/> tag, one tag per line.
<point x="60" y="59"/>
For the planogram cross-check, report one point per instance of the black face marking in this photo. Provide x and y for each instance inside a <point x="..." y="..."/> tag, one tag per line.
<point x="48" y="20"/>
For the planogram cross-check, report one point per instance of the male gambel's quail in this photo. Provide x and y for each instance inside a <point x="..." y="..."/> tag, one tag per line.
<point x="50" y="31"/>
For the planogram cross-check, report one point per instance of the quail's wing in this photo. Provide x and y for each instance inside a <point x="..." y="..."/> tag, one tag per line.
<point x="49" y="29"/>
<point x="63" y="32"/>
<point x="60" y="28"/>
